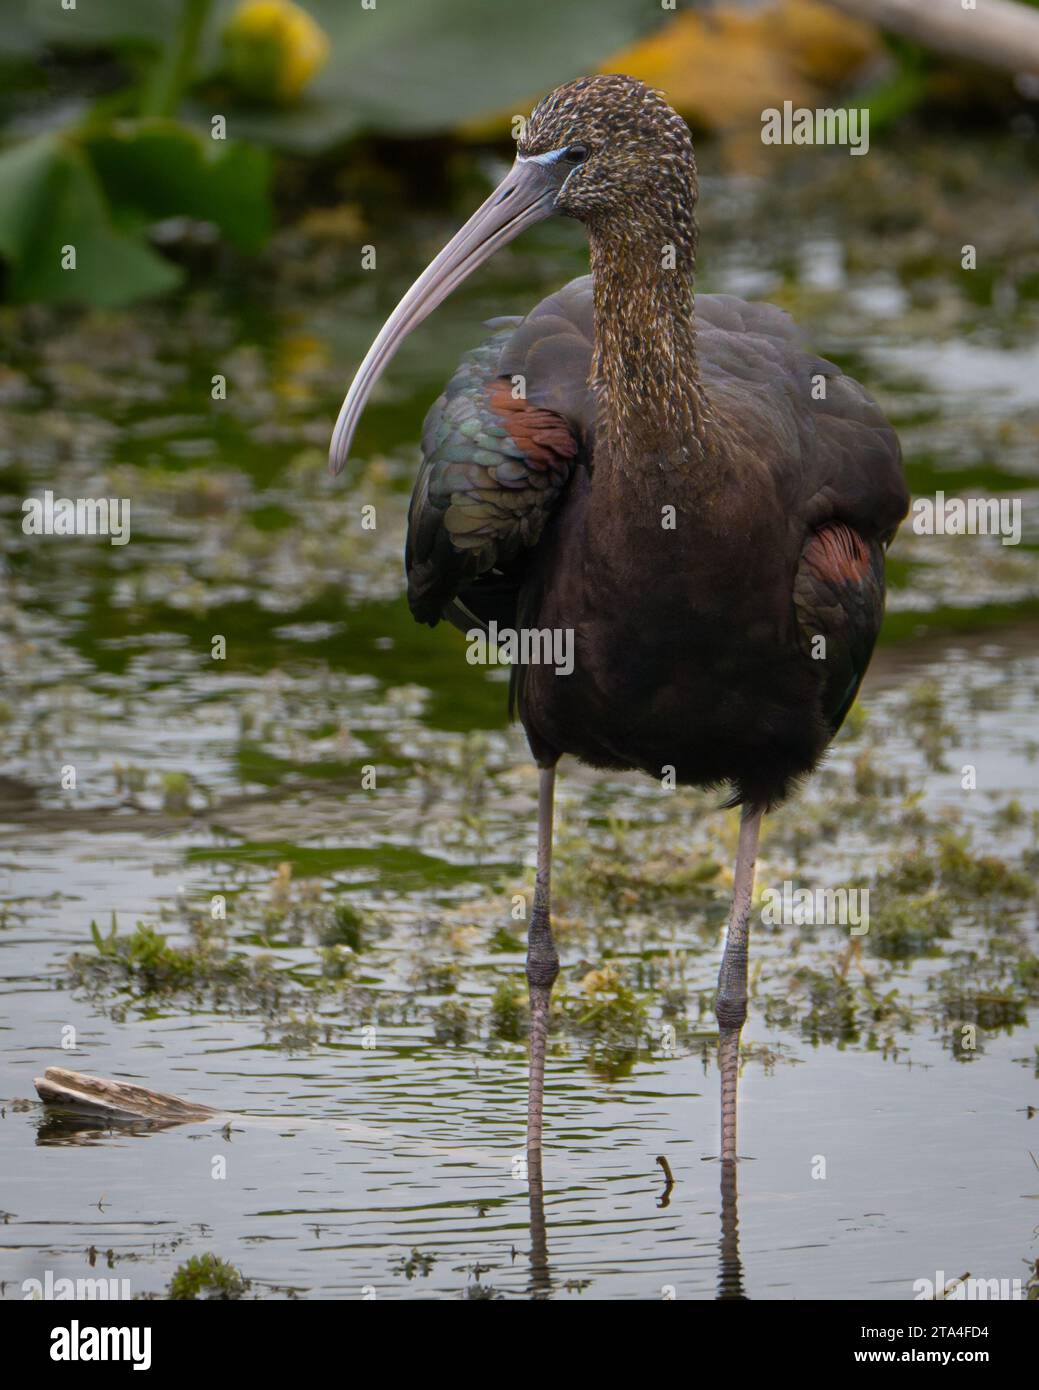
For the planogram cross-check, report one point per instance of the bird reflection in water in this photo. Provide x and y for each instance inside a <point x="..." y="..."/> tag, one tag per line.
<point x="730" y="1267"/>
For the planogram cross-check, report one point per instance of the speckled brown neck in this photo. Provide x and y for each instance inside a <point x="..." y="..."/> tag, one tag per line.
<point x="652" y="410"/>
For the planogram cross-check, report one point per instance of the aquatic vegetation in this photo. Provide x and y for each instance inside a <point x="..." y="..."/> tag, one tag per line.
<point x="145" y="964"/>
<point x="625" y="880"/>
<point x="830" y="1013"/>
<point x="145" y="961"/>
<point x="337" y="962"/>
<point x="607" y="1009"/>
<point x="630" y="892"/>
<point x="130" y="779"/>
<point x="979" y="876"/>
<point x="452" y="1023"/>
<point x="294" y="911"/>
<point x="1026" y="973"/>
<point x="888" y="1007"/>
<point x="654" y="910"/>
<point x="903" y="926"/>
<point x="924" y="710"/>
<point x="346" y="928"/>
<point x="509" y="1017"/>
<point x="295" y="1034"/>
<point x="416" y="1265"/>
<point x="503" y="942"/>
<point x="872" y="780"/>
<point x="1010" y="814"/>
<point x="206" y="1277"/>
<point x="977" y="991"/>
<point x="917" y="896"/>
<point x="674" y="1000"/>
<point x="436" y="977"/>
<point x="911" y="872"/>
<point x="176" y="792"/>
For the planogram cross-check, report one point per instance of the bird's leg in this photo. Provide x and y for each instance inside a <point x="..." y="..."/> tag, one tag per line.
<point x="730" y="1005"/>
<point x="542" y="969"/>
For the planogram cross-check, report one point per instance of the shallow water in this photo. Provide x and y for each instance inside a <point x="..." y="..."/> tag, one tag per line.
<point x="393" y="1167"/>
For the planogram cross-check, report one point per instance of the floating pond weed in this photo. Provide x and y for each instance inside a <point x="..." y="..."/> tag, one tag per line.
<point x="206" y="1277"/>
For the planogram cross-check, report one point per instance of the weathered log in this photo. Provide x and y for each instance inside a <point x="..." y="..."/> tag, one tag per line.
<point x="997" y="33"/>
<point x="109" y="1102"/>
<point x="104" y="1098"/>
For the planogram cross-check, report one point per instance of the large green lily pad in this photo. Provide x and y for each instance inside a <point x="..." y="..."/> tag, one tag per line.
<point x="50" y="199"/>
<point x="98" y="193"/>
<point x="161" y="169"/>
<point x="404" y="67"/>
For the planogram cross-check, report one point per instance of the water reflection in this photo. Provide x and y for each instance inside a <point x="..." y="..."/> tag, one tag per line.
<point x="730" y="1267"/>
<point x="664" y="1199"/>
<point x="62" y="1131"/>
<point x="540" y="1285"/>
<point x="730" y="1280"/>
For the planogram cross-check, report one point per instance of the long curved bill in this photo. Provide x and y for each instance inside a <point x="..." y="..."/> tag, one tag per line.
<point x="526" y="195"/>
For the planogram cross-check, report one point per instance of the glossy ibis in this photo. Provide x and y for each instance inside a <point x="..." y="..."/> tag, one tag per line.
<point x="699" y="499"/>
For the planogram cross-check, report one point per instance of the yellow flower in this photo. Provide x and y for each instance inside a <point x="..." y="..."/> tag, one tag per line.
<point x="273" y="49"/>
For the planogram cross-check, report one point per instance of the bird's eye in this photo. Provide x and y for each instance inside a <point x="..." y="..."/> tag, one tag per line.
<point x="576" y="153"/>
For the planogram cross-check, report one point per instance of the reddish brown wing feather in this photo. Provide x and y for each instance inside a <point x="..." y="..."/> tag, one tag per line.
<point x="545" y="438"/>
<point x="495" y="463"/>
<point x="836" y="554"/>
<point x="839" y="595"/>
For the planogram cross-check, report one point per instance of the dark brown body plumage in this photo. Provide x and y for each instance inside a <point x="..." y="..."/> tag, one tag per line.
<point x="693" y="642"/>
<point x="698" y="497"/>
